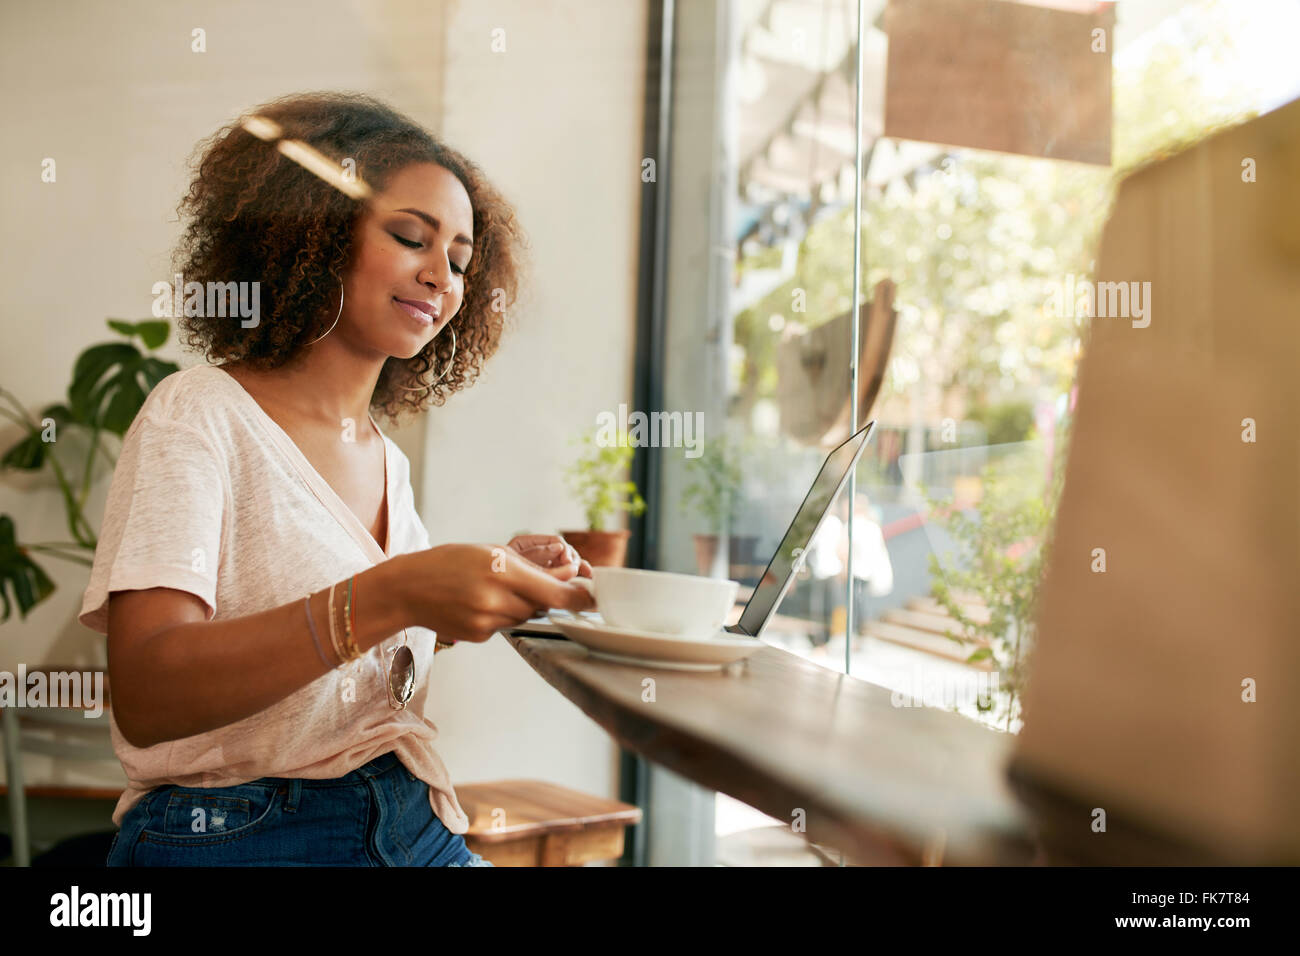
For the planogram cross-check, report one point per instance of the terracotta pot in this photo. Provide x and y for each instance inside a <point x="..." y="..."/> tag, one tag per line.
<point x="600" y="549"/>
<point x="706" y="546"/>
<point x="740" y="556"/>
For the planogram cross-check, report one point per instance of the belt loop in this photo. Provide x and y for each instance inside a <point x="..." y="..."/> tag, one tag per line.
<point x="294" y="795"/>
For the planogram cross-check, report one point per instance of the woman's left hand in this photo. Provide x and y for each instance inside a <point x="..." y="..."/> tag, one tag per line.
<point x="552" y="553"/>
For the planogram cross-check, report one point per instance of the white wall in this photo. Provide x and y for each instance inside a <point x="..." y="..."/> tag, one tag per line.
<point x="114" y="94"/>
<point x="555" y="120"/>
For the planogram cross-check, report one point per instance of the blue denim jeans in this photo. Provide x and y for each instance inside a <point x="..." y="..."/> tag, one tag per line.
<point x="377" y="815"/>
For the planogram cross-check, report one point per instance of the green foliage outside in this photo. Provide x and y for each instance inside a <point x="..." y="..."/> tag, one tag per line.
<point x="1005" y="422"/>
<point x="713" y="486"/>
<point x="975" y="246"/>
<point x="975" y="243"/>
<point x="1000" y="552"/>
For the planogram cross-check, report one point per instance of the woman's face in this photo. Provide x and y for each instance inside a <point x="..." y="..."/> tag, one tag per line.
<point x="413" y="243"/>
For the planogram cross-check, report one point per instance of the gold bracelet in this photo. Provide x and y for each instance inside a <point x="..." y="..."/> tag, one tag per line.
<point x="334" y="641"/>
<point x="334" y="637"/>
<point x="350" y="644"/>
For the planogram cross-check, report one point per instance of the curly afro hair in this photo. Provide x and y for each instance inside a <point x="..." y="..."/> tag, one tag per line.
<point x="258" y="215"/>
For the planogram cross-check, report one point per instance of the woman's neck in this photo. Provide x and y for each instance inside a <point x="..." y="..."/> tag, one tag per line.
<point x="319" y="386"/>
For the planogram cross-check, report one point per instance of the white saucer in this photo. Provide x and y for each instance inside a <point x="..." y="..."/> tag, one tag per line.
<point x="650" y="649"/>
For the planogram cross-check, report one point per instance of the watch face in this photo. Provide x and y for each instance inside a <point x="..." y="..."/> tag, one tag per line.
<point x="401" y="676"/>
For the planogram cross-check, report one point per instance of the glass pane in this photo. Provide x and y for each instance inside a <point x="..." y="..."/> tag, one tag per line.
<point x="759" y="298"/>
<point x="759" y="286"/>
<point x="981" y="216"/>
<point x="992" y="252"/>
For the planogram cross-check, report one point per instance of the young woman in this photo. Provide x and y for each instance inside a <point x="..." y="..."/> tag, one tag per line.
<point x="270" y="597"/>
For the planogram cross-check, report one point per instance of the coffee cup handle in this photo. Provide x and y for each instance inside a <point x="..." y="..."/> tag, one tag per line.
<point x="587" y="584"/>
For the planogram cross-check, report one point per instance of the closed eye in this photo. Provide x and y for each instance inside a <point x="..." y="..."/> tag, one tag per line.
<point x="412" y="244"/>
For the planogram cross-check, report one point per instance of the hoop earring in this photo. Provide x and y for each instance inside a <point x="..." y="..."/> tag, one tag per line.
<point x="444" y="371"/>
<point x="336" y="318"/>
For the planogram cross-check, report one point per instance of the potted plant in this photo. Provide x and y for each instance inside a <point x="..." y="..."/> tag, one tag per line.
<point x="598" y="478"/>
<point x="714" y="490"/>
<point x="110" y="382"/>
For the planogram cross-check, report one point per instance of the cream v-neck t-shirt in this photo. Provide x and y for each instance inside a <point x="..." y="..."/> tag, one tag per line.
<point x="212" y="497"/>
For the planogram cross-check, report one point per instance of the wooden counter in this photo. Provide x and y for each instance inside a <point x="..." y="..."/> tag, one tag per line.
<point x="798" y="741"/>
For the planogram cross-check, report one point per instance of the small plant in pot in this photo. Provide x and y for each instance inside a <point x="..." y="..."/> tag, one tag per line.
<point x="714" y="491"/>
<point x="598" y="478"/>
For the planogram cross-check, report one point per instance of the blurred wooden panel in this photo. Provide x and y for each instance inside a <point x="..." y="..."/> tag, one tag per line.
<point x="1001" y="75"/>
<point x="1166" y="689"/>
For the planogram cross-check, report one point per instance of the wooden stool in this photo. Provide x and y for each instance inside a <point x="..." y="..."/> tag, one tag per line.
<point x="534" y="823"/>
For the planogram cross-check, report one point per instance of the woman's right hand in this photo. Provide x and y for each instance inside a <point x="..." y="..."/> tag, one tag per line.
<point x="468" y="592"/>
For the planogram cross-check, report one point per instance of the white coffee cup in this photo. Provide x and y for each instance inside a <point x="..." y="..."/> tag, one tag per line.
<point x="664" y="602"/>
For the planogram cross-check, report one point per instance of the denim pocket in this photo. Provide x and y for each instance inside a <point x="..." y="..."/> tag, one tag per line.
<point x="199" y="816"/>
<point x="474" y="860"/>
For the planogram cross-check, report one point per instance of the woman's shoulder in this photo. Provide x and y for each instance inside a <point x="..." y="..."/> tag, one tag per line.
<point x="198" y="398"/>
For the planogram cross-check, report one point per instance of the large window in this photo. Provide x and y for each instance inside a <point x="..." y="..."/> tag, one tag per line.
<point x="992" y="135"/>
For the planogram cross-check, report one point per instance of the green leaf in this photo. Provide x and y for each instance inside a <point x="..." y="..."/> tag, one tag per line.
<point x="155" y="370"/>
<point x="19" y="574"/>
<point x="28" y="453"/>
<point x="110" y="383"/>
<point x="597" y="479"/>
<point x="61" y="414"/>
<point x="152" y="332"/>
<point x="980" y="655"/>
